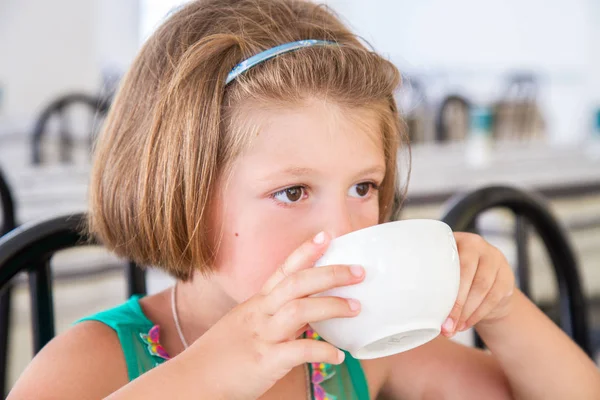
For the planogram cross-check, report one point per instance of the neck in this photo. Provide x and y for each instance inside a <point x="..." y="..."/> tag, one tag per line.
<point x="200" y="303"/>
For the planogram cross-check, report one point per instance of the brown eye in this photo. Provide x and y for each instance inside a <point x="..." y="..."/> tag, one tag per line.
<point x="361" y="189"/>
<point x="290" y="195"/>
<point x="293" y="194"/>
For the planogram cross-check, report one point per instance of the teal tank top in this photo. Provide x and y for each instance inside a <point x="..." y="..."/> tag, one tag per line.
<point x="139" y="340"/>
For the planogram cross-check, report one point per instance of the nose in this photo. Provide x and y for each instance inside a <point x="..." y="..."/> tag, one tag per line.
<point x="337" y="219"/>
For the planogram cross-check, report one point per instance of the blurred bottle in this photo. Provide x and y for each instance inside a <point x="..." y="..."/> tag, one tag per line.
<point x="593" y="145"/>
<point x="480" y="140"/>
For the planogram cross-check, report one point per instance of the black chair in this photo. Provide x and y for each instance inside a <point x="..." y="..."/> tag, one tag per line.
<point x="98" y="106"/>
<point x="29" y="248"/>
<point x="531" y="211"/>
<point x="7" y="206"/>
<point x="442" y="129"/>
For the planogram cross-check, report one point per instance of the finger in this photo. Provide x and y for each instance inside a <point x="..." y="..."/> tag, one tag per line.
<point x="468" y="268"/>
<point x="311" y="281"/>
<point x="297" y="352"/>
<point x="296" y="314"/>
<point x="303" y="257"/>
<point x="301" y="331"/>
<point x="483" y="283"/>
<point x="503" y="289"/>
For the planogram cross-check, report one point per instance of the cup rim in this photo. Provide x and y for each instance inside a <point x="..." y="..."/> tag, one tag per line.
<point x="385" y="225"/>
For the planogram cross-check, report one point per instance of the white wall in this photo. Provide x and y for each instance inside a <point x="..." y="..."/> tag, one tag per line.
<point x="481" y="34"/>
<point x="52" y="47"/>
<point x="153" y="12"/>
<point x="117" y="32"/>
<point x="593" y="51"/>
<point x="470" y="44"/>
<point x="48" y="47"/>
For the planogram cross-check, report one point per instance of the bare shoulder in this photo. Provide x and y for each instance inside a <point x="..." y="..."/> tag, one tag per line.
<point x="85" y="362"/>
<point x="444" y="369"/>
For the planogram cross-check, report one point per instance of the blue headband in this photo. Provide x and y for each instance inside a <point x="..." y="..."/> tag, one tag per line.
<point x="270" y="53"/>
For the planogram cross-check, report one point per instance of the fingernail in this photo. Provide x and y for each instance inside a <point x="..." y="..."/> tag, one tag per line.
<point x="319" y="238"/>
<point x="354" y="304"/>
<point x="357" y="270"/>
<point x="449" y="335"/>
<point x="448" y="325"/>
<point x="341" y="356"/>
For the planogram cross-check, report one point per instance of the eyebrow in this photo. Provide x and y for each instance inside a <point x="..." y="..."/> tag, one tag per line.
<point x="305" y="171"/>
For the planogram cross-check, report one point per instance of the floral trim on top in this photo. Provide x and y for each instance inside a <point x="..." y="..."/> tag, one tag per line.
<point x="320" y="373"/>
<point x="152" y="339"/>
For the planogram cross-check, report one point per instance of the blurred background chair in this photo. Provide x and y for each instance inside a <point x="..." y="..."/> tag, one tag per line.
<point x="452" y="121"/>
<point x="97" y="106"/>
<point x="29" y="249"/>
<point x="7" y="206"/>
<point x="462" y="214"/>
<point x="517" y="115"/>
<point x="413" y="104"/>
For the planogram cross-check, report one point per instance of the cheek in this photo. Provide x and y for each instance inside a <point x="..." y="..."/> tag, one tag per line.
<point x="365" y="214"/>
<point x="258" y="237"/>
<point x="254" y="247"/>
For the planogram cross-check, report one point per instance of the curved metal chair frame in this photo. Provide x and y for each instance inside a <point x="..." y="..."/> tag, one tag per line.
<point x="531" y="210"/>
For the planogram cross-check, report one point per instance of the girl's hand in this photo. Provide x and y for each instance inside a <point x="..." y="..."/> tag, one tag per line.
<point x="256" y="344"/>
<point x="486" y="288"/>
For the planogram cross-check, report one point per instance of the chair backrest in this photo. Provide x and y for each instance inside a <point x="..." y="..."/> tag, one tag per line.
<point x="412" y="102"/>
<point x="7" y="209"/>
<point x="445" y="132"/>
<point x="517" y="114"/>
<point x="98" y="106"/>
<point x="29" y="249"/>
<point x="531" y="210"/>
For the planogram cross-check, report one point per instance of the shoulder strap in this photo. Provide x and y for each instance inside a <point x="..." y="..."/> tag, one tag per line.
<point x="129" y="322"/>
<point x="128" y="313"/>
<point x="357" y="375"/>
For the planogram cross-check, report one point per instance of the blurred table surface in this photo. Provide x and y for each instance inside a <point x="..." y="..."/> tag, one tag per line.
<point x="440" y="171"/>
<point x="437" y="172"/>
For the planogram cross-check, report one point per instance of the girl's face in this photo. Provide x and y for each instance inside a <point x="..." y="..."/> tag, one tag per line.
<point x="312" y="168"/>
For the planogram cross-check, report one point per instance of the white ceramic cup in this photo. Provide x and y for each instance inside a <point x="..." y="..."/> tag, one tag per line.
<point x="411" y="283"/>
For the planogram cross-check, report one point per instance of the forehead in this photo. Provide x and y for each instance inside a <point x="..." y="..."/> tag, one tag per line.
<point x="317" y="132"/>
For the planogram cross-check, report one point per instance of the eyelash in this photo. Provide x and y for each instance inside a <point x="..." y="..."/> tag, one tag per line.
<point x="282" y="191"/>
<point x="374" y="188"/>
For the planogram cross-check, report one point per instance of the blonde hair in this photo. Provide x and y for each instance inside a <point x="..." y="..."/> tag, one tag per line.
<point x="175" y="126"/>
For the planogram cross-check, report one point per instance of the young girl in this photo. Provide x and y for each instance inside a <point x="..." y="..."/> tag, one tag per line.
<point x="247" y="135"/>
